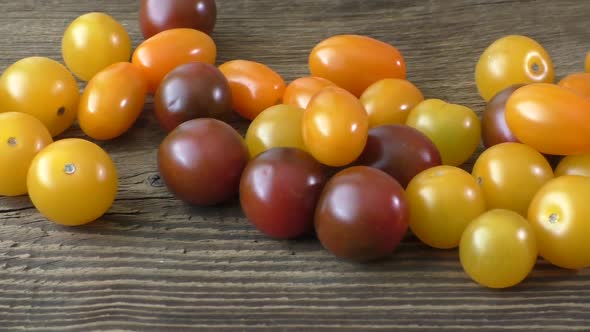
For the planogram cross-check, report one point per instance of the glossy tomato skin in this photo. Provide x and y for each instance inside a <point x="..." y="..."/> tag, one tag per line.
<point x="112" y="101"/>
<point x="454" y="129"/>
<point x="355" y="62"/>
<point x="579" y="83"/>
<point x="156" y="16"/>
<point x="190" y="91"/>
<point x="300" y="91"/>
<point x="202" y="160"/>
<point x="498" y="249"/>
<point x="400" y="151"/>
<point x="43" y="88"/>
<point x="279" y="191"/>
<point x="277" y="126"/>
<point x="494" y="129"/>
<point x="443" y="200"/>
<point x="335" y="127"/>
<point x="551" y="119"/>
<point x="510" y="60"/>
<point x="254" y="86"/>
<point x="389" y="101"/>
<point x="362" y="214"/>
<point x="510" y="174"/>
<point x="559" y="216"/>
<point x="93" y="42"/>
<point x="163" y="52"/>
<point x="574" y="165"/>
<point x="22" y="136"/>
<point x="65" y="174"/>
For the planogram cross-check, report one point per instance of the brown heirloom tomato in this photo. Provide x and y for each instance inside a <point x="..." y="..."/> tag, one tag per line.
<point x="494" y="129"/>
<point x="156" y="16"/>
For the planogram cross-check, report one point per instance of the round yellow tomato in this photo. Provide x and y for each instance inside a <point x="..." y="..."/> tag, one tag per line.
<point x="574" y="165"/>
<point x="42" y="88"/>
<point x="277" y="126"/>
<point x="72" y="182"/>
<point x="512" y="60"/>
<point x="498" y="249"/>
<point x="93" y="42"/>
<point x="22" y="136"/>
<point x="389" y="101"/>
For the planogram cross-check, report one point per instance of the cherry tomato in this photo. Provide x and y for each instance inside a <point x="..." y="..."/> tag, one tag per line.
<point x="443" y="201"/>
<point x="160" y="54"/>
<point x="156" y="16"/>
<point x="254" y="86"/>
<point x="549" y="118"/>
<point x="201" y="161"/>
<point x="277" y="126"/>
<point x="355" y="62"/>
<point x="335" y="127"/>
<point x="579" y="83"/>
<point x="22" y="136"/>
<point x="587" y="63"/>
<point x="494" y="129"/>
<point x="43" y="88"/>
<point x="454" y="129"/>
<point x="510" y="174"/>
<point x="389" y="101"/>
<point x="301" y="90"/>
<point x="72" y="182"/>
<point x="190" y="91"/>
<point x="279" y="191"/>
<point x="559" y="215"/>
<point x="574" y="165"/>
<point x="512" y="60"/>
<point x="498" y="249"/>
<point x="400" y="151"/>
<point x="112" y="101"/>
<point x="93" y="42"/>
<point x="362" y="214"/>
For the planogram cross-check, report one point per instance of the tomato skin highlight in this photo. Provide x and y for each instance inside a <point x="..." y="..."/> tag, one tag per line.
<point x="355" y="62"/>
<point x="549" y="118"/>
<point x="300" y="91"/>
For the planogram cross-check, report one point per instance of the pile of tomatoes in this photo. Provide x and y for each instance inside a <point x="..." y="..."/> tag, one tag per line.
<point x="354" y="152"/>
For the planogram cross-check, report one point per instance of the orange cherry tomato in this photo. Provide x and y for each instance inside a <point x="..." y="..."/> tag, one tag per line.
<point x="254" y="86"/>
<point x="335" y="127"/>
<point x="579" y="82"/>
<point x="551" y="119"/>
<point x="587" y="63"/>
<point x="301" y="90"/>
<point x="389" y="101"/>
<point x="112" y="101"/>
<point x="158" y="55"/>
<point x="355" y="62"/>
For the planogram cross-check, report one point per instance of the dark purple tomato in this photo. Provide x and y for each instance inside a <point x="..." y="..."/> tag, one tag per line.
<point x="400" y="151"/>
<point x="362" y="214"/>
<point x="202" y="160"/>
<point x="190" y="91"/>
<point x="495" y="129"/>
<point x="158" y="15"/>
<point x="279" y="192"/>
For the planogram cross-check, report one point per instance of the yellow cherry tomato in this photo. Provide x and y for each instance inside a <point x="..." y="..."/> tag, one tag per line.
<point x="335" y="127"/>
<point x="454" y="129"/>
<point x="72" y="182"/>
<point x="42" y="88"/>
<point x="498" y="249"/>
<point x="574" y="165"/>
<point x="512" y="60"/>
<point x="443" y="201"/>
<point x="93" y="42"/>
<point x="277" y="126"/>
<point x="389" y="101"/>
<point x="510" y="174"/>
<point x="112" y="101"/>
<point x="22" y="136"/>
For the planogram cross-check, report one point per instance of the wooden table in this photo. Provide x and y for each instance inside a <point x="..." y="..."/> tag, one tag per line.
<point x="155" y="264"/>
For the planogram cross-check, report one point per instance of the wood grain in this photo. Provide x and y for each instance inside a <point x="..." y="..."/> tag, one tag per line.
<point x="154" y="264"/>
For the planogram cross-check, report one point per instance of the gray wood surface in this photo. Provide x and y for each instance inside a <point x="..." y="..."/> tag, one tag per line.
<point x="154" y="264"/>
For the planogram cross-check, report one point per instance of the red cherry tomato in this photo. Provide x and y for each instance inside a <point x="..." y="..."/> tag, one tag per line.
<point x="355" y="62"/>
<point x="579" y="83"/>
<point x="156" y="16"/>
<point x="301" y="90"/>
<point x="551" y="119"/>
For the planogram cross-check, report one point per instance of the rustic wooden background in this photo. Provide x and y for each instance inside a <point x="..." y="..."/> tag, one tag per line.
<point x="154" y="264"/>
